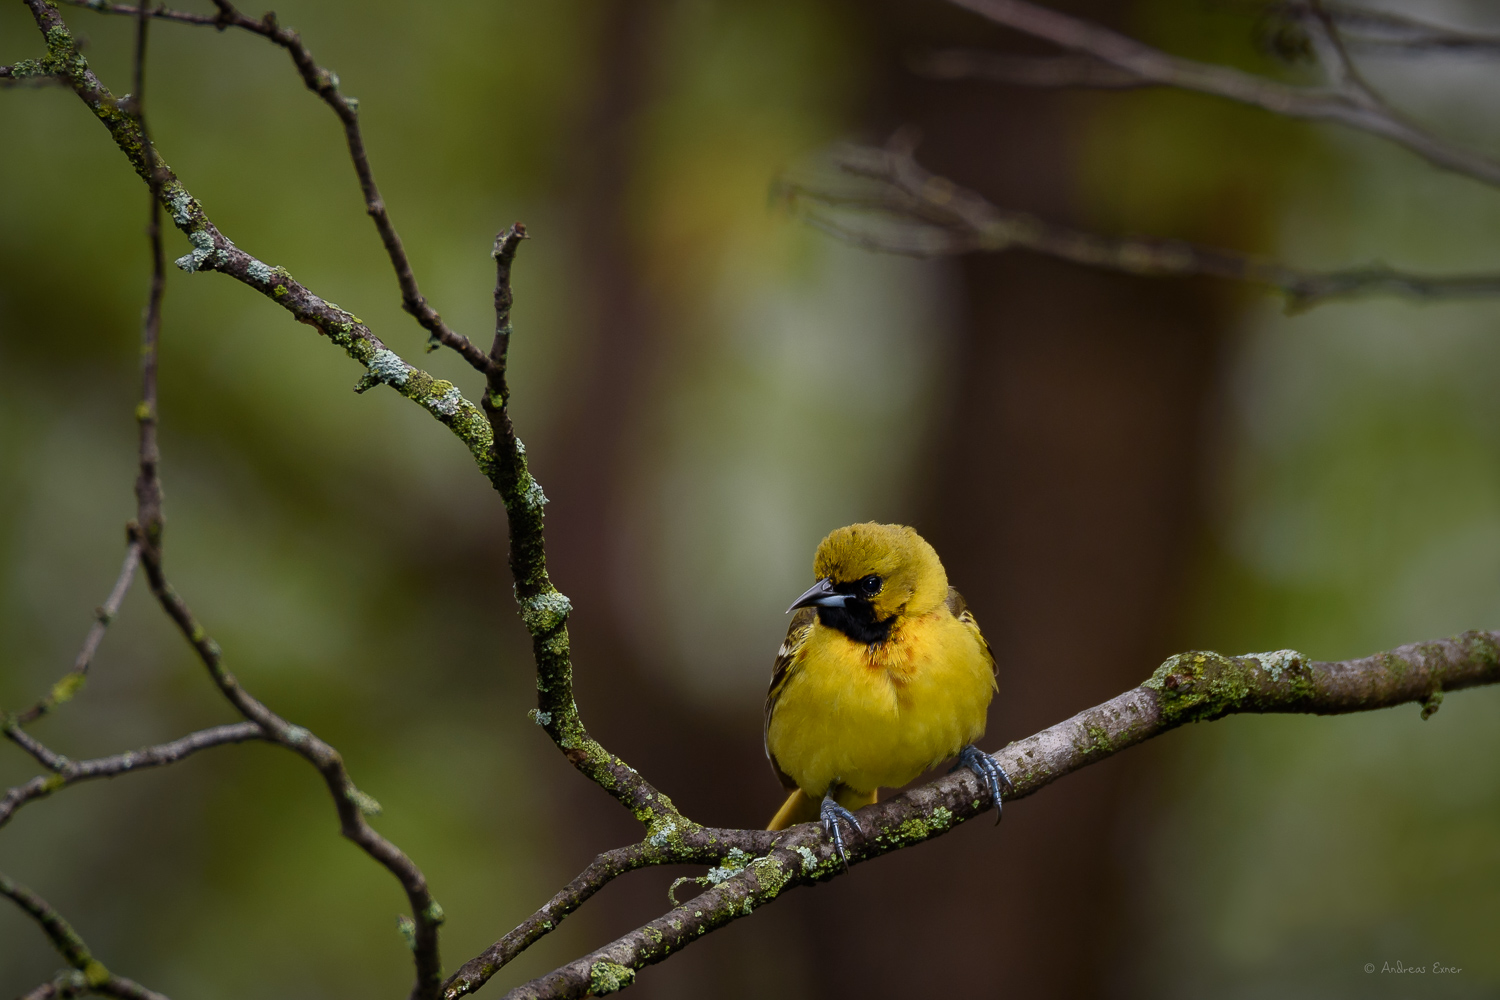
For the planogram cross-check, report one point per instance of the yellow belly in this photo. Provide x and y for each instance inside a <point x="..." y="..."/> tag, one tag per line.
<point x="869" y="717"/>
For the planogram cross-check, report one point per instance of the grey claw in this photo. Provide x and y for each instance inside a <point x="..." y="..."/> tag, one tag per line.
<point x="831" y="812"/>
<point x="990" y="773"/>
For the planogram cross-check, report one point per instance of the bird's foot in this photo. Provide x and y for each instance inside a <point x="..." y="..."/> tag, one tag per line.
<point x="831" y="813"/>
<point x="991" y="774"/>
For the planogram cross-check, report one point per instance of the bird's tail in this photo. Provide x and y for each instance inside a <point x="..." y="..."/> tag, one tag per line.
<point x="800" y="807"/>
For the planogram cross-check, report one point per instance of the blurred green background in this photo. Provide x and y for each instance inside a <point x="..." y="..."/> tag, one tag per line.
<point x="706" y="387"/>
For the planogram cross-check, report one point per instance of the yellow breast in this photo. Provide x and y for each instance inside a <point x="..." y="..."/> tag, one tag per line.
<point x="878" y="716"/>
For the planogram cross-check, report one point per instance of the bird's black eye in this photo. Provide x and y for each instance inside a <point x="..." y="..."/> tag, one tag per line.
<point x="870" y="585"/>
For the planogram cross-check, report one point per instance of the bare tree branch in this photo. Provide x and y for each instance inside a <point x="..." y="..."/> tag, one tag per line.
<point x="544" y="609"/>
<point x="212" y="251"/>
<point x="43" y="756"/>
<point x="97" y="978"/>
<point x="67" y="984"/>
<point x="1347" y="105"/>
<point x="882" y="199"/>
<point x="28" y="73"/>
<point x="325" y="84"/>
<point x="148" y="479"/>
<point x="68" y="772"/>
<point x="1188" y="687"/>
<point x="1383" y="33"/>
<point x="351" y="804"/>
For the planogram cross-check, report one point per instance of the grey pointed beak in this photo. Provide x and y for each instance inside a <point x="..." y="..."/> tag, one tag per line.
<point x="820" y="594"/>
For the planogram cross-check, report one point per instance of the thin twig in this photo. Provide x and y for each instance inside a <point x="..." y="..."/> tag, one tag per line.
<point x="65" y="939"/>
<point x="69" y="684"/>
<point x="351" y="804"/>
<point x="603" y="870"/>
<point x="66" y="984"/>
<point x="882" y="199"/>
<point x="148" y="479"/>
<point x="1188" y="687"/>
<point x="1345" y="105"/>
<point x="68" y="772"/>
<point x="43" y="756"/>
<point x="1383" y="33"/>
<point x="28" y="74"/>
<point x="213" y="251"/>
<point x="1333" y="56"/>
<point x="325" y="83"/>
<point x="544" y="609"/>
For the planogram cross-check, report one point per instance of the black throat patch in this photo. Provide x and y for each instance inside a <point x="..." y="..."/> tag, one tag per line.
<point x="857" y="620"/>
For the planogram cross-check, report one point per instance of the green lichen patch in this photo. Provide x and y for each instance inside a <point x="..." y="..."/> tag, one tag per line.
<point x="1278" y="662"/>
<point x="663" y="831"/>
<point x="1200" y="686"/>
<point x="362" y="801"/>
<point x="918" y="828"/>
<point x="734" y="863"/>
<point x="544" y="612"/>
<point x="1096" y="740"/>
<point x="66" y="687"/>
<point x="94" y="973"/>
<point x="203" y="251"/>
<point x="771" y="877"/>
<point x="609" y="977"/>
<point x="386" y="366"/>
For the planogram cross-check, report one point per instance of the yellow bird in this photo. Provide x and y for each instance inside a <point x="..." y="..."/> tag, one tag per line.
<point x="883" y="675"/>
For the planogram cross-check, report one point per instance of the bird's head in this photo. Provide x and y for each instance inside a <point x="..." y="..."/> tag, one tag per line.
<point x="871" y="573"/>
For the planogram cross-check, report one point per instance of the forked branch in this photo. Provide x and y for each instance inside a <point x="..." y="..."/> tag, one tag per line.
<point x="325" y="83"/>
<point x="91" y="976"/>
<point x="1346" y="101"/>
<point x="882" y="199"/>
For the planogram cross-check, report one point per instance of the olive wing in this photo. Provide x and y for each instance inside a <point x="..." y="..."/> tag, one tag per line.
<point x="959" y="608"/>
<point x="786" y="660"/>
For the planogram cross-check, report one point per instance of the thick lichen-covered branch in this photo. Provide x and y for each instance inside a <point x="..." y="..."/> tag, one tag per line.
<point x="212" y="251"/>
<point x="882" y="199"/>
<point x="71" y="682"/>
<point x="95" y="977"/>
<point x="1189" y="687"/>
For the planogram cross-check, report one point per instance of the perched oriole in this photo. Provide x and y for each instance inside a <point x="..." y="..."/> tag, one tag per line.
<point x="884" y="674"/>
